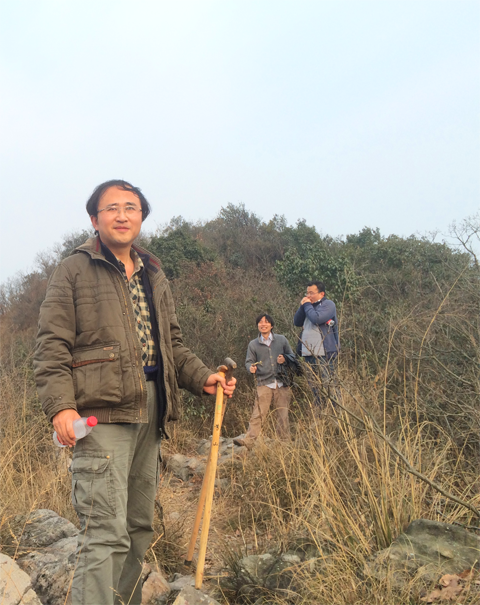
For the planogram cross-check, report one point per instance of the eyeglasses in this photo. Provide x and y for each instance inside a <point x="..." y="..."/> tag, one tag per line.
<point x="114" y="209"/>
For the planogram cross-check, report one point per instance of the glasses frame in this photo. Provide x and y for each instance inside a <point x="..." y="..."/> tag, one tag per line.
<point x="119" y="209"/>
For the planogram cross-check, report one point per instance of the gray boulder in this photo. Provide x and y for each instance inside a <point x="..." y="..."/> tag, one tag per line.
<point x="266" y="574"/>
<point x="184" y="467"/>
<point x="203" y="447"/>
<point x="15" y="585"/>
<point x="180" y="582"/>
<point x="191" y="596"/>
<point x="44" y="527"/>
<point x="226" y="446"/>
<point x="51" y="570"/>
<point x="47" y="545"/>
<point x="427" y="549"/>
<point x="155" y="589"/>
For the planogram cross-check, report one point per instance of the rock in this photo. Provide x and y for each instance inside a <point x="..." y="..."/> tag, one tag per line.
<point x="51" y="570"/>
<point x="306" y="549"/>
<point x="15" y="585"/>
<point x="222" y="483"/>
<point x="229" y="462"/>
<point x="291" y="558"/>
<point x="427" y="549"/>
<point x="191" y="596"/>
<point x="146" y="571"/>
<point x="265" y="573"/>
<point x="185" y="467"/>
<point x="155" y="589"/>
<point x="180" y="581"/>
<point x="44" y="527"/>
<point x="204" y="447"/>
<point x="226" y="445"/>
<point x="229" y="458"/>
<point x="47" y="546"/>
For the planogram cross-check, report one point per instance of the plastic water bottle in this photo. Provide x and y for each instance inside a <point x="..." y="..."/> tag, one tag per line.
<point x="81" y="428"/>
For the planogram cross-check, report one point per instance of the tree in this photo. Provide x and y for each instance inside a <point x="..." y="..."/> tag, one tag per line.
<point x="467" y="235"/>
<point x="176" y="249"/>
<point x="316" y="263"/>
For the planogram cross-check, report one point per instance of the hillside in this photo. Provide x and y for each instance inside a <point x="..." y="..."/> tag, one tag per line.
<point x="409" y="375"/>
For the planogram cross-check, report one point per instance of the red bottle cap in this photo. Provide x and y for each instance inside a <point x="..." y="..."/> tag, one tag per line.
<point x="92" y="421"/>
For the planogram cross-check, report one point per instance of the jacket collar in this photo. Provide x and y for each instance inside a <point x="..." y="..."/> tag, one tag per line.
<point x="98" y="251"/>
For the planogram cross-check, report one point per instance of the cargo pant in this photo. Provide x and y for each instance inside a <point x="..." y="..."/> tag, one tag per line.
<point x="280" y="397"/>
<point x="115" y="472"/>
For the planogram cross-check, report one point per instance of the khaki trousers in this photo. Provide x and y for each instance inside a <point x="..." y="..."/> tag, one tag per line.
<point x="280" y="397"/>
<point x="115" y="472"/>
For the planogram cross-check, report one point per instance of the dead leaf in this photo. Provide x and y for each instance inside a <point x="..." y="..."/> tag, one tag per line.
<point x="450" y="590"/>
<point x="449" y="580"/>
<point x="466" y="575"/>
<point x="433" y="596"/>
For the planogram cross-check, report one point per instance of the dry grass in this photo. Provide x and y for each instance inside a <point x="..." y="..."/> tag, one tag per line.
<point x="337" y="486"/>
<point x="341" y="488"/>
<point x="33" y="473"/>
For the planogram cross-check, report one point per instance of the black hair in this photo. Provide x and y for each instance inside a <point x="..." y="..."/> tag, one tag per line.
<point x="320" y="285"/>
<point x="267" y="317"/>
<point x="94" y="199"/>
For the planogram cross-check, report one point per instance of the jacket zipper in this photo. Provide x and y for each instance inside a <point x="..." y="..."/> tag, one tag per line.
<point x="161" y="287"/>
<point x="122" y="281"/>
<point x="79" y="364"/>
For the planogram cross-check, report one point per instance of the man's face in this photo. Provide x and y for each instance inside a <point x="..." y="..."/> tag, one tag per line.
<point x="313" y="294"/>
<point x="117" y="222"/>
<point x="264" y="327"/>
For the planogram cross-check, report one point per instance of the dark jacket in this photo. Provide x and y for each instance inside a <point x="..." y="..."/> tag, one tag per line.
<point x="290" y="369"/>
<point x="88" y="356"/>
<point x="319" y="313"/>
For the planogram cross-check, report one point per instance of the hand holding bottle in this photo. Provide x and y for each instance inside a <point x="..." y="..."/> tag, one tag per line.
<point x="81" y="428"/>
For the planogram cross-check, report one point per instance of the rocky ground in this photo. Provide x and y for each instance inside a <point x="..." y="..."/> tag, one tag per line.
<point x="38" y="568"/>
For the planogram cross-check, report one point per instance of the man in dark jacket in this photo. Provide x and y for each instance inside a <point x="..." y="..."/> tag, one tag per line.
<point x="320" y="344"/>
<point x="109" y="345"/>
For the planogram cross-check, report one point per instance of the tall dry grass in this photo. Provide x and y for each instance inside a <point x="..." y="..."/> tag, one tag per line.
<point x="340" y="487"/>
<point x="33" y="473"/>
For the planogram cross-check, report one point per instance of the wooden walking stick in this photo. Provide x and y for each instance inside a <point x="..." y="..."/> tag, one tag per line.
<point x="206" y="495"/>
<point x="201" y="503"/>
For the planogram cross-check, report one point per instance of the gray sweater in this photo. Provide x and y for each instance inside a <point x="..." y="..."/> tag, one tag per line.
<point x="268" y="371"/>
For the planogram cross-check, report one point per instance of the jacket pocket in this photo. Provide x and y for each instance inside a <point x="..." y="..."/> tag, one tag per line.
<point x="93" y="492"/>
<point x="96" y="375"/>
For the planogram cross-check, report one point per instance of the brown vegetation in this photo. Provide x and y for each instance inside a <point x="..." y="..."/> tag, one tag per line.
<point x="409" y="322"/>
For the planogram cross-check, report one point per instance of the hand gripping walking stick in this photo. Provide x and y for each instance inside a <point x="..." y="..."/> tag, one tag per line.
<point x="208" y="486"/>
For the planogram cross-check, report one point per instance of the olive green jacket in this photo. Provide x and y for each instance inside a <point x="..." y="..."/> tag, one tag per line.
<point x="88" y="356"/>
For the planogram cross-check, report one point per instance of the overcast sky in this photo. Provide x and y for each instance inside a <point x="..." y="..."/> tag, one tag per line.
<point x="345" y="113"/>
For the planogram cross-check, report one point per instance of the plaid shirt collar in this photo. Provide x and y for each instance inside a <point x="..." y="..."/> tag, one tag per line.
<point x="141" y="311"/>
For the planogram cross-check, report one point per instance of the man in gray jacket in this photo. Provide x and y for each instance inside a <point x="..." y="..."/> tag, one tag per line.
<point x="320" y="343"/>
<point x="264" y="356"/>
<point x="109" y="345"/>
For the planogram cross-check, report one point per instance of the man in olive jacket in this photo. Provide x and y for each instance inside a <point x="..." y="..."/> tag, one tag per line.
<point x="109" y="345"/>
